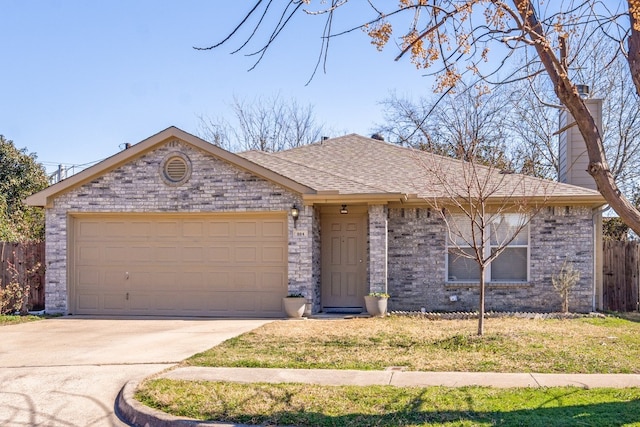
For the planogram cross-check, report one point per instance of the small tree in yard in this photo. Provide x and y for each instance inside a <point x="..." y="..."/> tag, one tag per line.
<point x="487" y="214"/>
<point x="564" y="281"/>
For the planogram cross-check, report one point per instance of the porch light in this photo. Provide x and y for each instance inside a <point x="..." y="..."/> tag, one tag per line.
<point x="343" y="210"/>
<point x="295" y="213"/>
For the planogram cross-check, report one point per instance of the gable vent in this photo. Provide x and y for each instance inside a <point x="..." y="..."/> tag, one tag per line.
<point x="176" y="169"/>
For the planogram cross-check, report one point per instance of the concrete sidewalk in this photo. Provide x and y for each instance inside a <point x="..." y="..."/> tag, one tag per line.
<point x="402" y="379"/>
<point x="139" y="415"/>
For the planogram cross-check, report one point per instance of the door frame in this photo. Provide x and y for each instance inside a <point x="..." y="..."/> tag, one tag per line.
<point x="333" y="212"/>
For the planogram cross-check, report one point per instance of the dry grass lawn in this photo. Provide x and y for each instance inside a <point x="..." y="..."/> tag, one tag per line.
<point x="584" y="345"/>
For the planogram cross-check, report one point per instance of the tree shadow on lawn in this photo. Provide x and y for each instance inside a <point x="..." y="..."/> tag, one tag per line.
<point x="600" y="414"/>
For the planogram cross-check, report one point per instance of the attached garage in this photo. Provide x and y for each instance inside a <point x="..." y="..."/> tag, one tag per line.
<point x="217" y="264"/>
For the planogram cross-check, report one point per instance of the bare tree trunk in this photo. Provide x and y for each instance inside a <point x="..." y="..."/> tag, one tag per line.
<point x="634" y="44"/>
<point x="569" y="97"/>
<point x="481" y="303"/>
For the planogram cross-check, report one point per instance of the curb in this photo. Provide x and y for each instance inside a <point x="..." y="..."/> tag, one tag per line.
<point x="134" y="413"/>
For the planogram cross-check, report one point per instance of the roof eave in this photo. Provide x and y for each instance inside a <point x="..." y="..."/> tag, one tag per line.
<point x="593" y="200"/>
<point x="46" y="196"/>
<point x="329" y="197"/>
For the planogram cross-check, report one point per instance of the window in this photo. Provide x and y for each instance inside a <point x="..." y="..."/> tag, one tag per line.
<point x="512" y="265"/>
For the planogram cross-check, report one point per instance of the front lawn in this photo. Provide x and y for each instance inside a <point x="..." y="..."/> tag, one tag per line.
<point x="584" y="345"/>
<point x="306" y="405"/>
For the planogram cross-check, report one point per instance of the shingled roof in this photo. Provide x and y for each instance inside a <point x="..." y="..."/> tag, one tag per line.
<point x="353" y="164"/>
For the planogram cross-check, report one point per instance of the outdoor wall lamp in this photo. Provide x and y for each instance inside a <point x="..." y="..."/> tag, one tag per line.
<point x="295" y="213"/>
<point x="343" y="210"/>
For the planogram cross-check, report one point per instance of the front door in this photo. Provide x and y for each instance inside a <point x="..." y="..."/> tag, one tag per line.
<point x="344" y="264"/>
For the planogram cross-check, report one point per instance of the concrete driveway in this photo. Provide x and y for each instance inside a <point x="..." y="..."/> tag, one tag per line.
<point x="68" y="371"/>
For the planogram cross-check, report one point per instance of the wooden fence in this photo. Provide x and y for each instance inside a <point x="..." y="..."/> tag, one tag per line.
<point x="621" y="284"/>
<point x="25" y="263"/>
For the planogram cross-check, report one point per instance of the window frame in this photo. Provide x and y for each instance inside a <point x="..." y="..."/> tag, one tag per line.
<point x="488" y="248"/>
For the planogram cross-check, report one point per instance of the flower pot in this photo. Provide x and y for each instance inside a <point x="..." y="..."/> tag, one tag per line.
<point x="294" y="307"/>
<point x="376" y="306"/>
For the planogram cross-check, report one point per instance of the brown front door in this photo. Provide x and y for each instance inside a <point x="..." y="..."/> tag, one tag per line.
<point x="344" y="264"/>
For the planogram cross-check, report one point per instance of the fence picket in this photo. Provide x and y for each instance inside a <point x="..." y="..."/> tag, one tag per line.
<point x="23" y="257"/>
<point x="621" y="284"/>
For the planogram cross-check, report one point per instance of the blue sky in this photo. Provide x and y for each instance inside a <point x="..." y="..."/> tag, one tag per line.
<point x="81" y="78"/>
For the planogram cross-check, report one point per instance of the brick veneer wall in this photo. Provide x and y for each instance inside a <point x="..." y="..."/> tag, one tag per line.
<point x="378" y="244"/>
<point x="417" y="264"/>
<point x="214" y="186"/>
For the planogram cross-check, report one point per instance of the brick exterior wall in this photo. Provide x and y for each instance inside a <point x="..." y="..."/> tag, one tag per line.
<point x="417" y="264"/>
<point x="214" y="186"/>
<point x="406" y="247"/>
<point x="377" y="248"/>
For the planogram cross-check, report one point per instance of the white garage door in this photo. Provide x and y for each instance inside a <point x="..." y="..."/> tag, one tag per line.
<point x="188" y="265"/>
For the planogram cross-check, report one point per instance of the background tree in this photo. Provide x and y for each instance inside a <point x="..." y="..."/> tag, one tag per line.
<point x="266" y="124"/>
<point x="20" y="176"/>
<point x="451" y="38"/>
<point x="444" y="125"/>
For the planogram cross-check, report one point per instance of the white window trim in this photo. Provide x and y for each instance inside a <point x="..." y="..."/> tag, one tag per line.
<point x="488" y="247"/>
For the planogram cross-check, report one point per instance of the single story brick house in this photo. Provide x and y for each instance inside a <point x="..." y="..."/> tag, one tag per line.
<point x="176" y="226"/>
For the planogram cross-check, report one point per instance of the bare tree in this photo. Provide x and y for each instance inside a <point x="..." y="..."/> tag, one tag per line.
<point x="444" y="124"/>
<point x="487" y="213"/>
<point x="564" y="281"/>
<point x="452" y="38"/>
<point x="265" y="124"/>
<point x="533" y="121"/>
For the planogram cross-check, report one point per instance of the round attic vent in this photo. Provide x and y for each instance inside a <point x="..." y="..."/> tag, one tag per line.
<point x="176" y="169"/>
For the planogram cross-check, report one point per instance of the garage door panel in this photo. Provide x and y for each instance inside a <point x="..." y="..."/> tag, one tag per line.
<point x="89" y="230"/>
<point x="246" y="280"/>
<point x="220" y="229"/>
<point x="219" y="302"/>
<point x="140" y="301"/>
<point x="244" y="302"/>
<point x="113" y="277"/>
<point x="246" y="229"/>
<point x="115" y="230"/>
<point x="167" y="229"/>
<point x="193" y="228"/>
<point x="114" y="254"/>
<point x="193" y="280"/>
<point x="246" y="254"/>
<point x="273" y="254"/>
<point x="274" y="229"/>
<point x="114" y="301"/>
<point x="88" y="277"/>
<point x="272" y="280"/>
<point x="138" y="228"/>
<point x="167" y="301"/>
<point x="89" y="301"/>
<point x="193" y="254"/>
<point x="270" y="303"/>
<point x="165" y="254"/>
<point x="157" y="280"/>
<point x="219" y="281"/>
<point x="217" y="265"/>
<point x="139" y="253"/>
<point x="221" y="254"/>
<point x="89" y="255"/>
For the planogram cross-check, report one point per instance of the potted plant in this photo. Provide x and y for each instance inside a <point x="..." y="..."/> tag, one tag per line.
<point x="376" y="303"/>
<point x="294" y="305"/>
